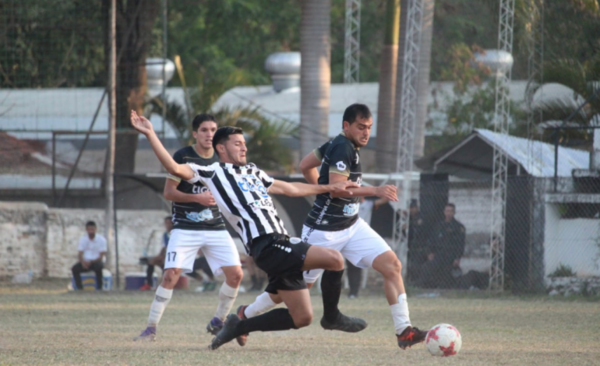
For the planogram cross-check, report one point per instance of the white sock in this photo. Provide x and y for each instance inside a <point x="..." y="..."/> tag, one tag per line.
<point x="261" y="305"/>
<point x="161" y="299"/>
<point x="227" y="295"/>
<point x="400" y="314"/>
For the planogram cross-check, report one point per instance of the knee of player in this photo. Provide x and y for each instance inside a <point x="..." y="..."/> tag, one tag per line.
<point x="170" y="277"/>
<point x="337" y="260"/>
<point x="235" y="277"/>
<point x="303" y="320"/>
<point x="393" y="268"/>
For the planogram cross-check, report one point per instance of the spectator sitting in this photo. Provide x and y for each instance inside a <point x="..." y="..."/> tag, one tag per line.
<point x="446" y="247"/>
<point x="92" y="249"/>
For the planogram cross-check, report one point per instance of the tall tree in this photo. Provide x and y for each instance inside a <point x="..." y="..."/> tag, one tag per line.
<point x="315" y="73"/>
<point x="386" y="101"/>
<point x="135" y="20"/>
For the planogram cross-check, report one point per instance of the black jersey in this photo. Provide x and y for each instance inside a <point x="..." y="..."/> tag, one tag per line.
<point x="338" y="156"/>
<point x="190" y="215"/>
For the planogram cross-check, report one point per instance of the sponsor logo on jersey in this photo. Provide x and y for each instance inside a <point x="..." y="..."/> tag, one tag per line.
<point x="200" y="216"/>
<point x="199" y="189"/>
<point x="265" y="204"/>
<point x="250" y="183"/>
<point x="340" y="165"/>
<point x="357" y="158"/>
<point x="351" y="209"/>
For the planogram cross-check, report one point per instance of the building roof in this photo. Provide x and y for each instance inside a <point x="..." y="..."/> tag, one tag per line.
<point x="472" y="158"/>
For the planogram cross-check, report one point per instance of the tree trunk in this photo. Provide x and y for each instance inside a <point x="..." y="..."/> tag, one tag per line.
<point x="131" y="71"/>
<point x="423" y="81"/>
<point x="315" y="74"/>
<point x="387" y="89"/>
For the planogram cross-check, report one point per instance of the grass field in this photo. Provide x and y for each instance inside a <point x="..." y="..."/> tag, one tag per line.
<point x="42" y="324"/>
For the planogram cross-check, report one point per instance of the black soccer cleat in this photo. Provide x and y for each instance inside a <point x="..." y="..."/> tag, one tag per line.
<point x="227" y="333"/>
<point x="411" y="336"/>
<point x="242" y="339"/>
<point x="345" y="324"/>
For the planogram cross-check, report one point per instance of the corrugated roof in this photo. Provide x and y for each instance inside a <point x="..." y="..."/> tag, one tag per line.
<point x="537" y="157"/>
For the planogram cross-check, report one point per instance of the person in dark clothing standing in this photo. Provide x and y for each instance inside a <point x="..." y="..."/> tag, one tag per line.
<point x="446" y="247"/>
<point x="417" y="252"/>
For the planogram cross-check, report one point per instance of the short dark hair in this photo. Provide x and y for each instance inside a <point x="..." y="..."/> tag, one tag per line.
<point x="449" y="204"/>
<point x="90" y="223"/>
<point x="355" y="111"/>
<point x="202" y="117"/>
<point x="223" y="134"/>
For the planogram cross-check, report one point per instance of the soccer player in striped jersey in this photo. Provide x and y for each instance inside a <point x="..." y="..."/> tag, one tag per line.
<point x="334" y="223"/>
<point x="197" y="224"/>
<point x="241" y="191"/>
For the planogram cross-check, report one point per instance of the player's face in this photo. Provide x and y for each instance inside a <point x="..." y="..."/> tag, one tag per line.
<point x="205" y="133"/>
<point x="359" y="131"/>
<point x="91" y="231"/>
<point x="449" y="213"/>
<point x="235" y="150"/>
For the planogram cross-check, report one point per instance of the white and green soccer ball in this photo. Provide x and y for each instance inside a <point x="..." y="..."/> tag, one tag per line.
<point x="443" y="340"/>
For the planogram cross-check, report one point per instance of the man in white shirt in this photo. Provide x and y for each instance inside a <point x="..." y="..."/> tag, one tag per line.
<point x="92" y="249"/>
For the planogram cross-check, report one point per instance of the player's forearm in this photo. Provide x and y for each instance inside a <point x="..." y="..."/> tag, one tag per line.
<point x="311" y="175"/>
<point x="358" y="192"/>
<point x="163" y="155"/>
<point x="297" y="189"/>
<point x="177" y="196"/>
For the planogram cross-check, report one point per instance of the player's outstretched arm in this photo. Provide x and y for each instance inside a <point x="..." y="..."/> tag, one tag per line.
<point x="144" y="126"/>
<point x="296" y="189"/>
<point x="387" y="192"/>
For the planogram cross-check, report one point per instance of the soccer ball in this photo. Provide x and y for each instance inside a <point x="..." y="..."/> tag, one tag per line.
<point x="443" y="340"/>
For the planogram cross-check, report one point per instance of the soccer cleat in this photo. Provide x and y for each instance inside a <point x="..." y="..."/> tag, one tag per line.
<point x="411" y="336"/>
<point x="214" y="326"/>
<point x="345" y="324"/>
<point x="227" y="333"/>
<point x="244" y="337"/>
<point x="146" y="287"/>
<point x="149" y="334"/>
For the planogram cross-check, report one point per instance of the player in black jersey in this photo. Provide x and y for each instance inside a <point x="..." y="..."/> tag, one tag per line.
<point x="197" y="224"/>
<point x="241" y="191"/>
<point x="334" y="223"/>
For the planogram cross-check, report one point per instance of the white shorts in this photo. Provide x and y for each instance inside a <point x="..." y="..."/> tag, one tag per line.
<point x="359" y="244"/>
<point x="217" y="246"/>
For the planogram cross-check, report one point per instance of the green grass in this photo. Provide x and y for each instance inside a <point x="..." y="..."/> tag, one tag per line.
<point x="42" y="324"/>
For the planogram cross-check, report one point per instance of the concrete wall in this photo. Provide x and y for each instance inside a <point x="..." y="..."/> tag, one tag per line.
<point x="32" y="236"/>
<point x="571" y="242"/>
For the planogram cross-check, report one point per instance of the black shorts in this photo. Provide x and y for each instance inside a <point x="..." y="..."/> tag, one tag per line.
<point x="282" y="260"/>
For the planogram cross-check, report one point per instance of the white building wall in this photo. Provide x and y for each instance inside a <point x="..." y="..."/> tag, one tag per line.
<point x="571" y="242"/>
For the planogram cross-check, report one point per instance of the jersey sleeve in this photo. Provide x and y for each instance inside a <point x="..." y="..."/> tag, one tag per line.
<point x="201" y="173"/>
<point x="103" y="246"/>
<point x="340" y="159"/>
<point x="81" y="245"/>
<point x="320" y="151"/>
<point x="265" y="179"/>
<point x="178" y="157"/>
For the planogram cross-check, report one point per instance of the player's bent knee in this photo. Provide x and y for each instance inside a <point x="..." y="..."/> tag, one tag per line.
<point x="234" y="278"/>
<point x="302" y="320"/>
<point x="170" y="278"/>
<point x="337" y="261"/>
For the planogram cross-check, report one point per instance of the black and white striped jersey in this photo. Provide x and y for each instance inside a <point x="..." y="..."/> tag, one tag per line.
<point x="242" y="196"/>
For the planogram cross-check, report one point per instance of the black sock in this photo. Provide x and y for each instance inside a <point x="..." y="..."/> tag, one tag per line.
<point x="276" y="319"/>
<point x="331" y="287"/>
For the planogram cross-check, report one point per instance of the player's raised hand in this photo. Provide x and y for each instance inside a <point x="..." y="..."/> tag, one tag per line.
<point x="343" y="187"/>
<point x="388" y="191"/>
<point x="141" y="123"/>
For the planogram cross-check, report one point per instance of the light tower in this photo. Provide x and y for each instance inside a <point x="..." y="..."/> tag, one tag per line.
<point x="408" y="119"/>
<point x="500" y="165"/>
<point x="352" y="42"/>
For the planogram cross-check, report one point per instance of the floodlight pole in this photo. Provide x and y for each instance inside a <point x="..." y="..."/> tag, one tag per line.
<point x="406" y="124"/>
<point x="352" y="42"/>
<point x="535" y="75"/>
<point x="500" y="167"/>
<point x="112" y="122"/>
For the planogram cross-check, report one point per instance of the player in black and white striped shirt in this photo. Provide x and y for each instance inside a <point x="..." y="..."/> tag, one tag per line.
<point x="241" y="191"/>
